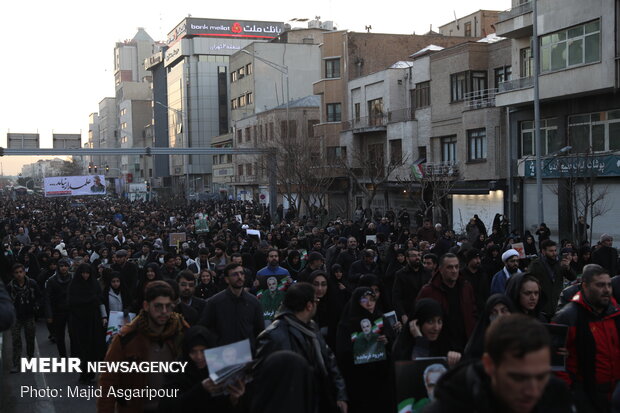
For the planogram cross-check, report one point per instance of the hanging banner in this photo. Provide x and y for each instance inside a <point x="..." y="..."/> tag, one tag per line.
<point x="74" y="185"/>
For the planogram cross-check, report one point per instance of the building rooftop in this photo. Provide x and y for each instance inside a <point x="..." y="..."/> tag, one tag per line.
<point x="427" y="49"/>
<point x="305" y="102"/>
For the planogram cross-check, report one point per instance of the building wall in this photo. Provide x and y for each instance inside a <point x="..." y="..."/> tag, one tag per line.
<point x="481" y="24"/>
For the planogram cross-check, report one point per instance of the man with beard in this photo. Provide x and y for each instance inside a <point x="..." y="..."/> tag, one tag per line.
<point x="272" y="269"/>
<point x="511" y="261"/>
<point x="219" y="258"/>
<point x="593" y="319"/>
<point x="294" y="330"/>
<point x="347" y="257"/>
<point x="233" y="314"/>
<point x="365" y="265"/>
<point x="128" y="271"/>
<point x="155" y="335"/>
<point x="551" y="274"/>
<point x="408" y="283"/>
<point x="476" y="276"/>
<point x="187" y="288"/>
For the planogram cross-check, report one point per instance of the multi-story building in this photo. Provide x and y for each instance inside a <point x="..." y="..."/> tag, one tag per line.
<point x="579" y="112"/>
<point x="223" y="166"/>
<point x="197" y="80"/>
<point x="477" y="24"/>
<point x="94" y="138"/>
<point x="347" y="56"/>
<point x="108" y="135"/>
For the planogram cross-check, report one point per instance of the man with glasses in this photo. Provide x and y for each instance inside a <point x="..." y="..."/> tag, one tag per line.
<point x="511" y="261"/>
<point x="57" y="306"/>
<point x="155" y="335"/>
<point x="233" y="314"/>
<point x="294" y="330"/>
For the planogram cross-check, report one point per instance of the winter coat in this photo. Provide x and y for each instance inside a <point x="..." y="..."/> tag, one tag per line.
<point x="56" y="288"/>
<point x="26" y="299"/>
<point x="606" y="257"/>
<point x="407" y="286"/>
<point x="551" y="287"/>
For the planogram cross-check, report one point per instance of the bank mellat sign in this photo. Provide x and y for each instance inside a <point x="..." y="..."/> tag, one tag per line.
<point x="576" y="166"/>
<point x="225" y="28"/>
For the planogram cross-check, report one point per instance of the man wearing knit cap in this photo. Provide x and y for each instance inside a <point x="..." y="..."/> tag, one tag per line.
<point x="511" y="266"/>
<point x="605" y="255"/>
<point x="477" y="277"/>
<point x="315" y="262"/>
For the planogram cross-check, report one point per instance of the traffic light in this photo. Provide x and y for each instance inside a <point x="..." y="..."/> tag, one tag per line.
<point x="95" y="168"/>
<point x="90" y="168"/>
<point x="107" y="168"/>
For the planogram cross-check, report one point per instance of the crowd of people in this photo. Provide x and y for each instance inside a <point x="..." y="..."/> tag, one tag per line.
<point x="328" y="309"/>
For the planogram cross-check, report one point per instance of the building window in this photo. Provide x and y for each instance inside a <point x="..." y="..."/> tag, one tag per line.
<point x="271" y="131"/>
<point x="333" y="112"/>
<point x="335" y="153"/>
<point x="448" y="149"/>
<point x="241" y="73"/>
<point x="292" y="129"/>
<point x="249" y="69"/>
<point x="283" y="131"/>
<point x="458" y="86"/>
<point x="311" y="124"/>
<point x="249" y="98"/>
<point x="240" y="170"/>
<point x="233" y="76"/>
<point x="502" y="74"/>
<point x="241" y="101"/>
<point x="248" y="169"/>
<point x="525" y="62"/>
<point x="595" y="132"/>
<point x="358" y="111"/>
<point x="215" y="159"/>
<point x="247" y="134"/>
<point x="375" y="111"/>
<point x="574" y="46"/>
<point x="233" y="104"/>
<point x="332" y="68"/>
<point x="548" y="137"/>
<point x="123" y="111"/>
<point x="239" y="136"/>
<point x="396" y="151"/>
<point x="124" y="125"/>
<point x="422" y="95"/>
<point x="468" y="29"/>
<point x="476" y="145"/>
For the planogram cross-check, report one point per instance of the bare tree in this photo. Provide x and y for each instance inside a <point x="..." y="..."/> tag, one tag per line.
<point x="434" y="183"/>
<point x="368" y="170"/>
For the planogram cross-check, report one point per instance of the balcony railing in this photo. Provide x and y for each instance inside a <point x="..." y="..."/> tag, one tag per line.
<point x="514" y="12"/>
<point x="380" y="121"/>
<point x="516" y="84"/>
<point x="448" y="169"/>
<point x="245" y="179"/>
<point x="480" y="99"/>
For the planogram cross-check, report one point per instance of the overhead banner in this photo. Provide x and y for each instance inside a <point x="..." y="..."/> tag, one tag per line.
<point x="74" y="185"/>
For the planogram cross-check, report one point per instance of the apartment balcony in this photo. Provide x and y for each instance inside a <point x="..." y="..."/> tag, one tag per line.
<point x="245" y="179"/>
<point x="516" y="91"/>
<point x="378" y="123"/>
<point x="516" y="22"/>
<point x="480" y="99"/>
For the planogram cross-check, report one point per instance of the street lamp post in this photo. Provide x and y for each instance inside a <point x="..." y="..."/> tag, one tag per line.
<point x="186" y="131"/>
<point x="535" y="52"/>
<point x="271" y="157"/>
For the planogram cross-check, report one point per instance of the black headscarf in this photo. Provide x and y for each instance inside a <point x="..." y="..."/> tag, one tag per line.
<point x="425" y="310"/>
<point x="513" y="290"/>
<point x="84" y="293"/>
<point x="475" y="345"/>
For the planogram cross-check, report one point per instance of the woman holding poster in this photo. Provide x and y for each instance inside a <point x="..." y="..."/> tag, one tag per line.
<point x="362" y="347"/>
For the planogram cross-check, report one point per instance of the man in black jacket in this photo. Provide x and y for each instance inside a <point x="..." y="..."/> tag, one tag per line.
<point x="25" y="294"/>
<point x="187" y="288"/>
<point x="408" y="283"/>
<point x="294" y="330"/>
<point x="606" y="255"/>
<point x="128" y="270"/>
<point x="514" y="375"/>
<point x="233" y="314"/>
<point x="365" y="265"/>
<point x="57" y="306"/>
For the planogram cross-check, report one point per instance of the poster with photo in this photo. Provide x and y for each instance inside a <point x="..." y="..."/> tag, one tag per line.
<point x="366" y="346"/>
<point x="201" y="226"/>
<point x="177" y="238"/>
<point x="116" y="321"/>
<point x="520" y="248"/>
<point x="271" y="297"/>
<point x="416" y="381"/>
<point x="229" y="363"/>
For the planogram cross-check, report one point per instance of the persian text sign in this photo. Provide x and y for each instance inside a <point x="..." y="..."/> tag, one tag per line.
<point x="74" y="185"/>
<point x="576" y="166"/>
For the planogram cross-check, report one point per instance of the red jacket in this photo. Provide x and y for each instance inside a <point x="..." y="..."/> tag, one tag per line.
<point x="436" y="290"/>
<point x="604" y="329"/>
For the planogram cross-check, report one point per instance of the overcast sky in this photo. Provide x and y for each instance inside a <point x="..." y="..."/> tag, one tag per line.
<point x="58" y="55"/>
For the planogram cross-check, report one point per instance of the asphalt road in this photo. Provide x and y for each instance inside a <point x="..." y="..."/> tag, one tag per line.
<point x="13" y="398"/>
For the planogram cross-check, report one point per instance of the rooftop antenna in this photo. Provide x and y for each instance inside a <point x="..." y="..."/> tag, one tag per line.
<point x="456" y="21"/>
<point x="368" y="28"/>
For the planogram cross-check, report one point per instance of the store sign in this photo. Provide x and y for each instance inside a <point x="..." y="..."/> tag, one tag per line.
<point x="576" y="166"/>
<point x="231" y="28"/>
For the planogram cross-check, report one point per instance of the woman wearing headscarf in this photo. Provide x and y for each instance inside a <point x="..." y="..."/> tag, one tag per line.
<point x="293" y="263"/>
<point x="193" y="384"/>
<point x="150" y="273"/>
<point x="419" y="337"/>
<point x="362" y="352"/>
<point x="87" y="318"/>
<point x="526" y="295"/>
<point x="329" y="307"/>
<point x="496" y="306"/>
